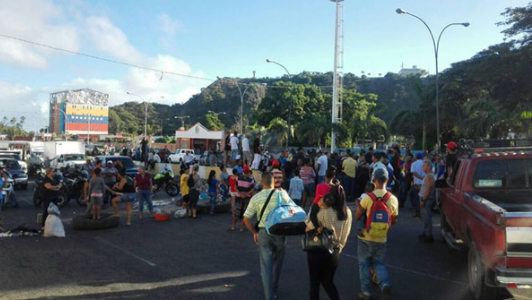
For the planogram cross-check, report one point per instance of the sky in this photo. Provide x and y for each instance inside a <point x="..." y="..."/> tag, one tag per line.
<point x="211" y="38"/>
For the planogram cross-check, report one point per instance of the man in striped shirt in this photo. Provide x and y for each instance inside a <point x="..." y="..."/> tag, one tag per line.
<point x="245" y="187"/>
<point x="277" y="174"/>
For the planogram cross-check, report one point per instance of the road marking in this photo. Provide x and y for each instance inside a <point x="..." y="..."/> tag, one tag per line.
<point x="126" y="251"/>
<point x="414" y="272"/>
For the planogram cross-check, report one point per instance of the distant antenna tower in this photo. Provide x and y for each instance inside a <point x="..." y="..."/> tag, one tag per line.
<point x="338" y="64"/>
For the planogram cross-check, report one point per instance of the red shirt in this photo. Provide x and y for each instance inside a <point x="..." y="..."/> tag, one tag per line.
<point x="279" y="178"/>
<point x="232" y="184"/>
<point x="143" y="183"/>
<point x="321" y="190"/>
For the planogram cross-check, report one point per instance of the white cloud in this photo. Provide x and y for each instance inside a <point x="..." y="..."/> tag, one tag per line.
<point x="36" y="20"/>
<point x="168" y="25"/>
<point x="110" y="39"/>
<point x="28" y="104"/>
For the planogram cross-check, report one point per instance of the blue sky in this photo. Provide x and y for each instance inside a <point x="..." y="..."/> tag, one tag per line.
<point x="212" y="38"/>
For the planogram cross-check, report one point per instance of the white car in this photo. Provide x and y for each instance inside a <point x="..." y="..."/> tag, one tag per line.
<point x="179" y="155"/>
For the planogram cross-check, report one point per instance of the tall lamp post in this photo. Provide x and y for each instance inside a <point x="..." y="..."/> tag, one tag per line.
<point x="291" y="99"/>
<point x="436" y="45"/>
<point x="145" y="109"/>
<point x="242" y="94"/>
<point x="182" y="118"/>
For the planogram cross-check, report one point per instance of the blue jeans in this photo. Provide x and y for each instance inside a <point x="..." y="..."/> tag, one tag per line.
<point x="321" y="179"/>
<point x="271" y="255"/>
<point x="225" y="191"/>
<point x="145" y="195"/>
<point x="414" y="199"/>
<point x="372" y="253"/>
<point x="213" y="201"/>
<point x="404" y="186"/>
<point x="234" y="153"/>
<point x="427" y="216"/>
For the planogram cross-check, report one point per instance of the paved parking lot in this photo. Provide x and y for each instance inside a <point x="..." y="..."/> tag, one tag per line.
<point x="202" y="259"/>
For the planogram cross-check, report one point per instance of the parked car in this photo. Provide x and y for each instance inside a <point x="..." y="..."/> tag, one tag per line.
<point x="20" y="177"/>
<point x="127" y="163"/>
<point x="179" y="154"/>
<point x="487" y="207"/>
<point x="14" y="155"/>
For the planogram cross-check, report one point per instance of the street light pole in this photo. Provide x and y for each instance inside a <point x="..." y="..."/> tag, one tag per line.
<point x="291" y="99"/>
<point x="242" y="94"/>
<point x="182" y="118"/>
<point x="216" y="113"/>
<point x="145" y="109"/>
<point x="436" y="46"/>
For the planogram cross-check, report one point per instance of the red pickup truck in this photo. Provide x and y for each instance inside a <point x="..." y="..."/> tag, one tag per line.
<point x="487" y="206"/>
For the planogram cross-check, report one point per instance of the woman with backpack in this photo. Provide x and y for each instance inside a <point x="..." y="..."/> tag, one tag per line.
<point x="335" y="217"/>
<point x="214" y="189"/>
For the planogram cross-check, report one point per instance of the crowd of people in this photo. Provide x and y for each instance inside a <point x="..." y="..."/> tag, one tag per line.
<point x="323" y="184"/>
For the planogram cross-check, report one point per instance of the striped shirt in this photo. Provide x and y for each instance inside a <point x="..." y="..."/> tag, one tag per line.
<point x="328" y="218"/>
<point x="279" y="178"/>
<point x="257" y="203"/>
<point x="244" y="185"/>
<point x="307" y="174"/>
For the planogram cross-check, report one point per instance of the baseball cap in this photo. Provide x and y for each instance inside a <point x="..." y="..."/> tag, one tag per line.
<point x="275" y="163"/>
<point x="109" y="162"/>
<point x="420" y="155"/>
<point x="246" y="169"/>
<point x="451" y="145"/>
<point x="380" y="174"/>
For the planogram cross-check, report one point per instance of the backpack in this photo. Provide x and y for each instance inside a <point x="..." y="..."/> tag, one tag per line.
<point x="190" y="181"/>
<point x="380" y="217"/>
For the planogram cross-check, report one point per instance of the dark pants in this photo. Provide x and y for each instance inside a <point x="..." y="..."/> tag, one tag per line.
<point x="361" y="185"/>
<point x="322" y="267"/>
<point x="350" y="186"/>
<point x="108" y="196"/>
<point x="414" y="199"/>
<point x="403" y="191"/>
<point x="47" y="202"/>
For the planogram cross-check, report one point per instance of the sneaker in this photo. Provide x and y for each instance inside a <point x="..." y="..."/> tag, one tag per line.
<point x="386" y="293"/>
<point x="363" y="296"/>
<point x="426" y="239"/>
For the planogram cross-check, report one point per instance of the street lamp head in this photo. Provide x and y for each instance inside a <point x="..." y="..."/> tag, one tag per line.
<point x="268" y="61"/>
<point x="466" y="24"/>
<point x="400" y="11"/>
<point x="128" y="93"/>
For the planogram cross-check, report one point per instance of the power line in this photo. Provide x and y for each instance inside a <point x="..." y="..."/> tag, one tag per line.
<point x="103" y="58"/>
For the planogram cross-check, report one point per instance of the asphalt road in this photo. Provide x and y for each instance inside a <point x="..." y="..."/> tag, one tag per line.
<point x="203" y="259"/>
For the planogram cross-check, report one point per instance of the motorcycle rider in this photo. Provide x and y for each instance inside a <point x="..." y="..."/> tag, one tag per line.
<point x="3" y="174"/>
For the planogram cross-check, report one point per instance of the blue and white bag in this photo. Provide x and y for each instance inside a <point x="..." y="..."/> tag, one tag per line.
<point x="286" y="219"/>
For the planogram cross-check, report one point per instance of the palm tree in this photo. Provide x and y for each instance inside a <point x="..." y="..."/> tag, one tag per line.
<point x="278" y="127"/>
<point x="482" y="118"/>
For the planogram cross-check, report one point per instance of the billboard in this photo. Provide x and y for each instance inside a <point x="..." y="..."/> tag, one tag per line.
<point x="79" y="112"/>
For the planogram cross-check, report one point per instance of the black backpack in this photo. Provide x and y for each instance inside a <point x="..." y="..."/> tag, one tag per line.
<point x="190" y="181"/>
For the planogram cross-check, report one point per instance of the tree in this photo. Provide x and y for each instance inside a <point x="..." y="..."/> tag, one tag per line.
<point x="278" y="127"/>
<point x="520" y="21"/>
<point x="212" y="122"/>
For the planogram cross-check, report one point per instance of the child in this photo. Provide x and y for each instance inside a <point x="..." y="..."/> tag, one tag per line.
<point x="96" y="190"/>
<point x="233" y="192"/>
<point x="296" y="188"/>
<point x="370" y="187"/>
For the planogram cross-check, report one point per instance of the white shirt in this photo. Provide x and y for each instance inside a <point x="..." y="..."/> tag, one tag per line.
<point x="189" y="158"/>
<point x="323" y="162"/>
<point x="417" y="167"/>
<point x="234" y="143"/>
<point x="245" y="144"/>
<point x="157" y="158"/>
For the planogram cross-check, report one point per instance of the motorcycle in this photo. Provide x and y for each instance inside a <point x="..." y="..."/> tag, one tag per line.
<point x="38" y="190"/>
<point x="7" y="190"/>
<point x="76" y="185"/>
<point x="32" y="170"/>
<point x="165" y="180"/>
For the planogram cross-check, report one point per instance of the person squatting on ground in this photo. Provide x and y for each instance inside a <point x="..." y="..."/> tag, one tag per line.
<point x="427" y="195"/>
<point x="125" y="193"/>
<point x="335" y="216"/>
<point x="372" y="243"/>
<point x="143" y="186"/>
<point x="271" y="248"/>
<point x="245" y="187"/>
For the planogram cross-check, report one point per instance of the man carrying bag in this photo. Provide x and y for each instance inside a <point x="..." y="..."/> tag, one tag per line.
<point x="271" y="248"/>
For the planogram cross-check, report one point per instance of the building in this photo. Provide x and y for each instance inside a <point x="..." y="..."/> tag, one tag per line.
<point x="199" y="138"/>
<point x="79" y="112"/>
<point x="404" y="72"/>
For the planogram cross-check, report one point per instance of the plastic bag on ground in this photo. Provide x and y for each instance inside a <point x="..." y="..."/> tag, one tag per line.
<point x="53" y="227"/>
<point x="53" y="210"/>
<point x="180" y="213"/>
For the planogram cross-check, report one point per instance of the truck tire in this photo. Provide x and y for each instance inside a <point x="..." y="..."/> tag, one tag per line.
<point x="477" y="275"/>
<point x="220" y="208"/>
<point x="86" y="222"/>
